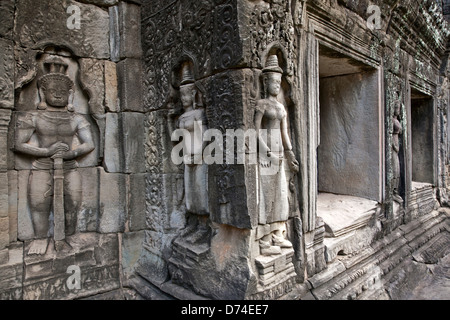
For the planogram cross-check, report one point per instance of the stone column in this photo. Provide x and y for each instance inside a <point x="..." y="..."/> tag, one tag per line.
<point x="126" y="136"/>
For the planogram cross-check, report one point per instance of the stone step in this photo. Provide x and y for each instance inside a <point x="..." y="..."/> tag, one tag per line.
<point x="351" y="278"/>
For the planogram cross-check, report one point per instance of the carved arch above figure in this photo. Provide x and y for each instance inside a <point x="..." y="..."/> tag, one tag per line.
<point x="286" y="95"/>
<point x="186" y="57"/>
<point x="189" y="61"/>
<point x="282" y="53"/>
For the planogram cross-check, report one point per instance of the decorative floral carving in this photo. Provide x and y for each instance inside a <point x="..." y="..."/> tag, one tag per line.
<point x="270" y="25"/>
<point x="152" y="144"/>
<point x="226" y="36"/>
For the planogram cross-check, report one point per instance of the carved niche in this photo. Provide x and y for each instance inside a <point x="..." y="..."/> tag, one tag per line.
<point x="54" y="137"/>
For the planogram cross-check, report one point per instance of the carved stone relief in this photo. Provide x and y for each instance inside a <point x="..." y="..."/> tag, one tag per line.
<point x="193" y="120"/>
<point x="277" y="165"/>
<point x="274" y="203"/>
<point x="397" y="132"/>
<point x="194" y="239"/>
<point x="88" y="94"/>
<point x="178" y="28"/>
<point x="177" y="72"/>
<point x="55" y="137"/>
<point x="6" y="74"/>
<point x="160" y="44"/>
<point x="86" y="123"/>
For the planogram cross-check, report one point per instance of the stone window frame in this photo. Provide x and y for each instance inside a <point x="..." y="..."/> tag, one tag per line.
<point x="378" y="69"/>
<point x="430" y="94"/>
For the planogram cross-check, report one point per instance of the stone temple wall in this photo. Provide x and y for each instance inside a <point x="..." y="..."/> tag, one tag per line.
<point x="101" y="56"/>
<point x="330" y="117"/>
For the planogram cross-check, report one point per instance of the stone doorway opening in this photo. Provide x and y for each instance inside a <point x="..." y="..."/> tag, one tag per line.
<point x="350" y="154"/>
<point x="422" y="153"/>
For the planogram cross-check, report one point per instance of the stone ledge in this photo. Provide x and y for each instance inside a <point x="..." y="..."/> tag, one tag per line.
<point x="350" y="223"/>
<point x="363" y="277"/>
<point x="343" y="214"/>
<point x="180" y="292"/>
<point x="146" y="289"/>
